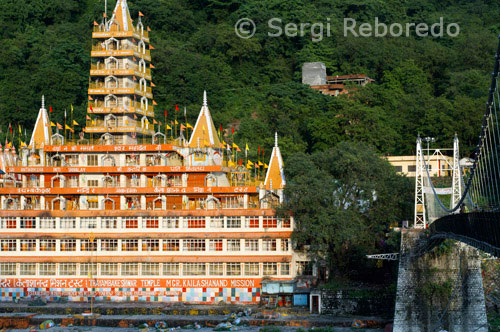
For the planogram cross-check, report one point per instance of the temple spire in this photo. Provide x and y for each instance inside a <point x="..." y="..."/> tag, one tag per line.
<point x="42" y="130"/>
<point x="205" y="104"/>
<point x="204" y="129"/>
<point x="275" y="176"/>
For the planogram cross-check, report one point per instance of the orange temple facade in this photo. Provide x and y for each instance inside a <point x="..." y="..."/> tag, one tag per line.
<point x="127" y="213"/>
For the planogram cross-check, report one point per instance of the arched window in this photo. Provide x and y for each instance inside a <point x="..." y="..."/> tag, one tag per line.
<point x="108" y="203"/>
<point x="61" y="201"/>
<point x="108" y="160"/>
<point x="144" y="103"/>
<point x="210" y="180"/>
<point x="112" y="44"/>
<point x="57" y="139"/>
<point x="141" y="47"/>
<point x="111" y="82"/>
<point x="140" y="28"/>
<point x="157" y="138"/>
<point x="107" y="139"/>
<point x="142" y="66"/>
<point x="159" y="180"/>
<point x="57" y="160"/>
<point x="110" y="121"/>
<point x="11" y="204"/>
<point x="212" y="203"/>
<point x="58" y="180"/>
<point x="108" y="181"/>
<point x="143" y="84"/>
<point x="269" y="201"/>
<point x="158" y="203"/>
<point x="111" y="63"/>
<point x="110" y="101"/>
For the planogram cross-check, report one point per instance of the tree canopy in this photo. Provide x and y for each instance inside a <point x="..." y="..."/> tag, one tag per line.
<point x="344" y="200"/>
<point x="432" y="86"/>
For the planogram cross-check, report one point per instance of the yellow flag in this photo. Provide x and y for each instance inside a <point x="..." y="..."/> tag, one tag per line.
<point x="260" y="163"/>
<point x="23" y="144"/>
<point x="249" y="166"/>
<point x="93" y="122"/>
<point x="235" y="146"/>
<point x="246" y="147"/>
<point x="20" y="132"/>
<point x="176" y="123"/>
<point x="250" y="163"/>
<point x="52" y="124"/>
<point x="71" y="108"/>
<point x="266" y="165"/>
<point x="75" y="123"/>
<point x="168" y="127"/>
<point x="188" y="125"/>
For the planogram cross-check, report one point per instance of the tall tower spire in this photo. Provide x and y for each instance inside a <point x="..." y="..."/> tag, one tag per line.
<point x="275" y="176"/>
<point x="205" y="104"/>
<point x="120" y="94"/>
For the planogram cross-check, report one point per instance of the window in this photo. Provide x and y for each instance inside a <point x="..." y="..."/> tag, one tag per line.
<point x="285" y="222"/>
<point x="92" y="160"/>
<point x="67" y="269"/>
<point x="68" y="245"/>
<point x="193" y="269"/>
<point x="47" y="223"/>
<point x="130" y="269"/>
<point x="251" y="269"/>
<point x="285" y="244"/>
<point x="215" y="245"/>
<point x="150" y="269"/>
<point x="109" y="245"/>
<point x="194" y="245"/>
<point x="171" y="269"/>
<point x="252" y="222"/>
<point x="109" y="222"/>
<point x="150" y="222"/>
<point x="171" y="245"/>
<point x="92" y="183"/>
<point x="8" y="245"/>
<point x="233" y="245"/>
<point x="234" y="222"/>
<point x="412" y="168"/>
<point x="216" y="222"/>
<point x="88" y="269"/>
<point x="109" y="269"/>
<point x="216" y="269"/>
<point x="130" y="222"/>
<point x="233" y="269"/>
<point x="67" y="223"/>
<point x="194" y="222"/>
<point x="170" y="222"/>
<point x="8" y="223"/>
<point x="130" y="245"/>
<point x="47" y="245"/>
<point x="304" y="268"/>
<point x="27" y="269"/>
<point x="8" y="269"/>
<point x="88" y="223"/>
<point x="150" y="245"/>
<point x="285" y="269"/>
<point x="28" y="222"/>
<point x="252" y="245"/>
<point x="87" y="245"/>
<point x="28" y="245"/>
<point x="269" y="222"/>
<point x="270" y="269"/>
<point x="47" y="269"/>
<point x="269" y="244"/>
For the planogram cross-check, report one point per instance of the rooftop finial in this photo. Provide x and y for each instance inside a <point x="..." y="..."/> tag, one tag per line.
<point x="276" y="139"/>
<point x="43" y="102"/>
<point x="205" y="98"/>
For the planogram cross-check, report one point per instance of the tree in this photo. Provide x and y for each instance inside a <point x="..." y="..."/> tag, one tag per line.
<point x="343" y="200"/>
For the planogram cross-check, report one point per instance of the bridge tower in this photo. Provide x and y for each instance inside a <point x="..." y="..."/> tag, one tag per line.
<point x="456" y="187"/>
<point x="420" y="217"/>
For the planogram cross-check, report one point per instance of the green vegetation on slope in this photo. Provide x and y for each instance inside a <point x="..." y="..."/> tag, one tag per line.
<point x="433" y="86"/>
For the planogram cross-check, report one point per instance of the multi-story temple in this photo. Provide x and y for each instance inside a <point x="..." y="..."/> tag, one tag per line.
<point x="125" y="213"/>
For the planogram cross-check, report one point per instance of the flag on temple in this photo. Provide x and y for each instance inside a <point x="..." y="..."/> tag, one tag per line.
<point x="249" y="167"/>
<point x="176" y="108"/>
<point x="188" y="125"/>
<point x="52" y="124"/>
<point x="59" y="126"/>
<point x="260" y="163"/>
<point x="90" y="98"/>
<point x="88" y="117"/>
<point x="235" y="146"/>
<point x="176" y="123"/>
<point x="155" y="103"/>
<point x="135" y="117"/>
<point x="168" y="127"/>
<point x="165" y="113"/>
<point x="50" y="109"/>
<point x="71" y="108"/>
<point x="151" y="47"/>
<point x="153" y="85"/>
<point x="69" y="128"/>
<point x="91" y="109"/>
<point x="154" y="121"/>
<point x="148" y="28"/>
<point x="183" y="127"/>
<point x="246" y="147"/>
<point x="23" y="144"/>
<point x="20" y="131"/>
<point x="10" y="128"/>
<point x="140" y="14"/>
<point x="151" y="66"/>
<point x="75" y="123"/>
<point x="250" y="163"/>
<point x="266" y="165"/>
<point x="95" y="23"/>
<point x="232" y="130"/>
<point x="256" y="165"/>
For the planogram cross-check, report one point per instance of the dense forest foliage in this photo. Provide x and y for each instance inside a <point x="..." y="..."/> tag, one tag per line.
<point x="432" y="86"/>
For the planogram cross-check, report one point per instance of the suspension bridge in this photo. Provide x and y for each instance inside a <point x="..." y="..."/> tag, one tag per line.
<point x="444" y="291"/>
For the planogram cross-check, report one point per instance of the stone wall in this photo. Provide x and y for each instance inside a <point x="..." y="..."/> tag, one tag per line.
<point x="364" y="302"/>
<point x="441" y="290"/>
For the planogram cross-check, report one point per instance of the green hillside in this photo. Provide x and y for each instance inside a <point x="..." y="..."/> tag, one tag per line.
<point x="433" y="86"/>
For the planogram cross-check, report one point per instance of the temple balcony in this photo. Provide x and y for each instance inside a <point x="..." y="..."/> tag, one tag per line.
<point x="100" y="33"/>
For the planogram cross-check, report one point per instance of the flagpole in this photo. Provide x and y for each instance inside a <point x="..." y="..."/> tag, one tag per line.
<point x="187" y="128"/>
<point x="65" y="125"/>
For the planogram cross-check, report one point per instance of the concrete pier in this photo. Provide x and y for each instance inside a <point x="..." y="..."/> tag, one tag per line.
<point x="441" y="290"/>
